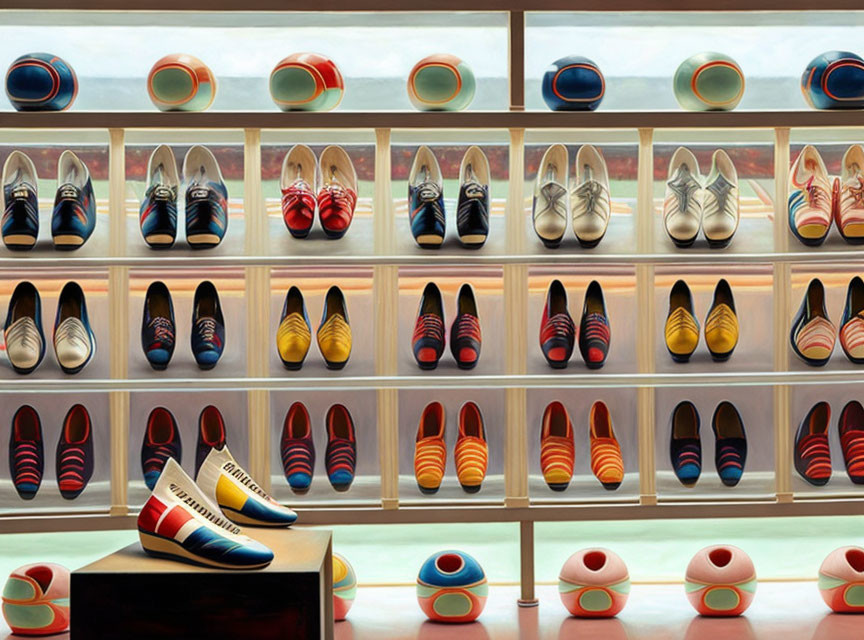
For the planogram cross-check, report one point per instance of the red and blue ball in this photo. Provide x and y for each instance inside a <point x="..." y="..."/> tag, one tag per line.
<point x="573" y="83"/>
<point x="452" y="587"/>
<point x="41" y="82"/>
<point x="834" y="80"/>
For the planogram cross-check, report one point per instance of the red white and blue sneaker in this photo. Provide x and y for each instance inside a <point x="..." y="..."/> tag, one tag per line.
<point x="74" y="216"/>
<point x="75" y="453"/>
<point x="26" y="452"/>
<point x="158" y="214"/>
<point x="20" y="222"/>
<point x="161" y="443"/>
<point x="206" y="199"/>
<point x="179" y="522"/>
<point x="297" y="183"/>
<point x="341" y="456"/>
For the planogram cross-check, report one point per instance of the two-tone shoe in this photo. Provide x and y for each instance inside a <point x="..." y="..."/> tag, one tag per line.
<point x="557" y="329"/>
<point x="590" y="203"/>
<point x="721" y="323"/>
<point x="19" y="225"/>
<point x="849" y="206"/>
<point x="26" y="452"/>
<point x="161" y="443"/>
<point x="157" y="216"/>
<point x="294" y="335"/>
<point x="340" y="459"/>
<point x="297" y="183"/>
<point x="337" y="191"/>
<point x="810" y="205"/>
<point x="158" y="331"/>
<point x="334" y="332"/>
<point x="208" y="326"/>
<point x="472" y="207"/>
<point x="74" y="216"/>
<point x="720" y="201"/>
<point x="206" y="199"/>
<point x="681" y="331"/>
<point x="682" y="205"/>
<point x="74" y="462"/>
<point x="595" y="334"/>
<point x="549" y="211"/>
<point x="557" y="449"/>
<point x="430" y="452"/>
<point x="607" y="464"/>
<point x="730" y="443"/>
<point x="428" y="339"/>
<point x="465" y="336"/>
<point x="471" y="453"/>
<point x="685" y="445"/>
<point x="812" y="335"/>
<point x="426" y="200"/>
<point x="852" y="323"/>
<point x="297" y="448"/>
<point x="211" y="434"/>
<point x="851" y="430"/>
<point x="25" y="341"/>
<point x="74" y="340"/>
<point x="812" y="455"/>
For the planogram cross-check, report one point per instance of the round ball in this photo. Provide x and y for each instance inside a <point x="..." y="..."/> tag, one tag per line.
<point x="708" y="82"/>
<point x="180" y="82"/>
<point x="573" y="83"/>
<point x="441" y="82"/>
<point x="36" y="600"/>
<point x="834" y="80"/>
<point x="452" y="587"/>
<point x="841" y="580"/>
<point x="41" y="82"/>
<point x="720" y="581"/>
<point x="344" y="586"/>
<point x="306" y="82"/>
<point x="594" y="583"/>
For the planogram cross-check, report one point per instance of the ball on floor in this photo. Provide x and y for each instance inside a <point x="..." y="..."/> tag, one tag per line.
<point x="41" y="82"/>
<point x="594" y="583"/>
<point x="708" y="81"/>
<point x="36" y="599"/>
<point x="441" y="82"/>
<point x="344" y="586"/>
<point x="834" y="80"/>
<point x="452" y="587"/>
<point x="180" y="82"/>
<point x="306" y="82"/>
<point x="720" y="581"/>
<point x="841" y="580"/>
<point x="573" y="83"/>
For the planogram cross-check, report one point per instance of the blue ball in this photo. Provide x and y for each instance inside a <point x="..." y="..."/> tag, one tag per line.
<point x="834" y="80"/>
<point x="573" y="83"/>
<point x="41" y="82"/>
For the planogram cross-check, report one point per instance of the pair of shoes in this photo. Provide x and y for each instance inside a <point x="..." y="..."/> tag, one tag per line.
<point x="158" y="331"/>
<point x="206" y="199"/>
<point x="815" y="200"/>
<point x="74" y="340"/>
<point x="428" y="339"/>
<point x="298" y="448"/>
<point x="74" y="216"/>
<point x="589" y="203"/>
<point x="813" y="451"/>
<point x="74" y="458"/>
<point x="688" y="206"/>
<point x="681" y="331"/>
<point x="685" y="445"/>
<point x="471" y="452"/>
<point x="558" y="449"/>
<point x="426" y="200"/>
<point x="558" y="331"/>
<point x="813" y="335"/>
<point x="294" y="335"/>
<point x="332" y="178"/>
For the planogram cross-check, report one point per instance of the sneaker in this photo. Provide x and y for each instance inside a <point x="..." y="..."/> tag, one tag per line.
<point x="74" y="340"/>
<point x="607" y="465"/>
<point x="549" y="208"/>
<point x="20" y="222"/>
<point x="334" y="332"/>
<point x="430" y="452"/>
<point x="337" y="191"/>
<point x="161" y="442"/>
<point x="682" y="329"/>
<point x="812" y="335"/>
<point x="208" y="326"/>
<point x="472" y="208"/>
<point x="849" y="207"/>
<point x="810" y="198"/>
<point x="590" y="204"/>
<point x="682" y="206"/>
<point x="211" y="434"/>
<point x="465" y="336"/>
<point x="557" y="449"/>
<point x="26" y="456"/>
<point x="730" y="447"/>
<point x="595" y="333"/>
<point x="25" y="341"/>
<point x="428" y="339"/>
<point x="158" y="331"/>
<point x="158" y="214"/>
<point x="721" y="324"/>
<point x="298" y="449"/>
<point x="297" y="183"/>
<point x="75" y="453"/>
<point x="720" y="207"/>
<point x="206" y="199"/>
<point x="179" y="522"/>
<point x="426" y="200"/>
<point x="851" y="429"/>
<point x="341" y="455"/>
<point x="471" y="453"/>
<point x="557" y="329"/>
<point x="685" y="445"/>
<point x="852" y="324"/>
<point x="812" y="450"/>
<point x="295" y="332"/>
<point x="74" y="216"/>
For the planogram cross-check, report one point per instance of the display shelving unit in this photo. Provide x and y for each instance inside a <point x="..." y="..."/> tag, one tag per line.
<point x="385" y="381"/>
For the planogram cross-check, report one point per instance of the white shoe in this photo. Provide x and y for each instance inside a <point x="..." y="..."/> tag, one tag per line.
<point x="682" y="207"/>
<point x="74" y="342"/>
<point x="720" y="205"/>
<point x="25" y="342"/>
<point x="550" y="196"/>
<point x="810" y="205"/>
<point x="850" y="205"/>
<point x="590" y="205"/>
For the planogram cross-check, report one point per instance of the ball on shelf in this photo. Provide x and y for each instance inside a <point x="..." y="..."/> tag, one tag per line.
<point x="708" y="81"/>
<point x="180" y="82"/>
<point x="452" y="587"/>
<point x="36" y="599"/>
<point x="834" y="80"/>
<point x="720" y="581"/>
<point x="594" y="583"/>
<point x="841" y="580"/>
<point x="306" y="82"/>
<point x="441" y="82"/>
<point x="573" y="83"/>
<point x="41" y="82"/>
<point x="344" y="586"/>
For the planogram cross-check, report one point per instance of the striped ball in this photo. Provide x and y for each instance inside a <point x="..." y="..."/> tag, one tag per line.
<point x="180" y="82"/>
<point x="573" y="83"/>
<point x="344" y="586"/>
<point x="441" y="82"/>
<point x="720" y="581"/>
<point x="452" y="587"/>
<point x="841" y="580"/>
<point x="41" y="82"/>
<point x="36" y="600"/>
<point x="306" y="82"/>
<point x="594" y="583"/>
<point x="708" y="82"/>
<point x="834" y="80"/>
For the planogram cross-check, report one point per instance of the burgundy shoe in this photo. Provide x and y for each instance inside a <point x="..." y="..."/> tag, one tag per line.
<point x="465" y="337"/>
<point x="428" y="339"/>
<point x="211" y="434"/>
<point x="851" y="427"/>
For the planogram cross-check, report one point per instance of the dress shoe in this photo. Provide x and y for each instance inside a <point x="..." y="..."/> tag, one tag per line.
<point x="721" y="324"/>
<point x="590" y="202"/>
<point x="158" y="214"/>
<point x="161" y="442"/>
<point x="812" y="450"/>
<point x="211" y="434"/>
<point x="337" y="192"/>
<point x="75" y="453"/>
<point x="295" y="332"/>
<point x="594" y="330"/>
<point x="426" y="200"/>
<point x="465" y="336"/>
<point x="550" y="208"/>
<point x="25" y="341"/>
<point x="74" y="340"/>
<point x="812" y="335"/>
<point x="607" y="465"/>
<point x="730" y="448"/>
<point x="297" y="183"/>
<point x="26" y="452"/>
<point x="720" y="205"/>
<point x="158" y="331"/>
<point x="810" y="203"/>
<point x="682" y="329"/>
<point x="206" y="199"/>
<point x="341" y="455"/>
<point x="298" y="448"/>
<point x="472" y="208"/>
<point x="430" y="453"/>
<point x="849" y="207"/>
<point x="471" y="453"/>
<point x="852" y="324"/>
<point x="427" y="342"/>
<point x="74" y="217"/>
<point x="334" y="332"/>
<point x="557" y="329"/>
<point x="208" y="326"/>
<point x="682" y="206"/>
<point x="685" y="446"/>
<point x="557" y="449"/>
<point x="851" y="431"/>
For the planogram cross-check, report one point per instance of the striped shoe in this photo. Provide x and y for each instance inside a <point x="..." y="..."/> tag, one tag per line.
<point x="426" y="200"/>
<point x="74" y="217"/>
<point x="26" y="452"/>
<point x="161" y="443"/>
<point x="341" y="456"/>
<point x="427" y="341"/>
<point x="180" y="522"/>
<point x="334" y="332"/>
<point x="851" y="428"/>
<point x="849" y="207"/>
<point x="75" y="453"/>
<point x="730" y="448"/>
<point x="74" y="340"/>
<point x="295" y="332"/>
<point x="206" y="199"/>
<point x="589" y="199"/>
<point x="297" y="183"/>
<point x="465" y="336"/>
<point x="682" y="206"/>
<point x="685" y="446"/>
<point x="721" y="324"/>
<point x="852" y="324"/>
<point x="430" y="453"/>
<point x="812" y="450"/>
<point x="557" y="449"/>
<point x="810" y="204"/>
<point x="19" y="224"/>
<point x="557" y="329"/>
<point x="337" y="193"/>
<point x="812" y="335"/>
<point x="298" y="448"/>
<point x="607" y="465"/>
<point x="682" y="329"/>
<point x="472" y="450"/>
<point x="472" y="207"/>
<point x="157" y="216"/>
<point x="594" y="330"/>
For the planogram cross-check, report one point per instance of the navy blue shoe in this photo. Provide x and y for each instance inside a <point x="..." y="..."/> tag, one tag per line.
<point x="161" y="441"/>
<point x="730" y="449"/>
<point x="208" y="326"/>
<point x="20" y="224"/>
<point x="74" y="216"/>
<point x="158" y="214"/>
<point x="426" y="200"/>
<point x="158" y="331"/>
<point x="74" y="463"/>
<point x="25" y="340"/>
<point x="685" y="447"/>
<point x="206" y="199"/>
<point x="26" y="452"/>
<point x="472" y="209"/>
<point x="427" y="343"/>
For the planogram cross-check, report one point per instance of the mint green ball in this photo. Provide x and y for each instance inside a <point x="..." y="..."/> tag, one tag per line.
<point x="708" y="81"/>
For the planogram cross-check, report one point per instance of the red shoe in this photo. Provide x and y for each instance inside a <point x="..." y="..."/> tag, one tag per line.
<point x="557" y="329"/>
<point x="337" y="195"/>
<point x="298" y="197"/>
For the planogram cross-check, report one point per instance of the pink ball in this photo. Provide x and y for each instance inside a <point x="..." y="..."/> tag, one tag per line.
<point x="36" y="599"/>
<point x="720" y="581"/>
<point x="841" y="580"/>
<point x="594" y="583"/>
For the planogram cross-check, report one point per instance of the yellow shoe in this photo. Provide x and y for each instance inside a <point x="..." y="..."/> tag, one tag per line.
<point x="295" y="334"/>
<point x="682" y="328"/>
<point x="721" y="325"/>
<point x="334" y="332"/>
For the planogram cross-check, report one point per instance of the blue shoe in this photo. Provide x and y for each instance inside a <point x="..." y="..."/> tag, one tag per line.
<point x="25" y="340"/>
<point x="730" y="450"/>
<point x="426" y="200"/>
<point x="20" y="223"/>
<point x="206" y="199"/>
<point x="158" y="214"/>
<point x="472" y="209"/>
<point x="208" y="326"/>
<point x="74" y="340"/>
<point x="685" y="447"/>
<point x="158" y="332"/>
<point x="74" y="216"/>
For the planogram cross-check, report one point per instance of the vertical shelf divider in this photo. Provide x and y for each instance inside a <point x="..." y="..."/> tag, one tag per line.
<point x="516" y="59"/>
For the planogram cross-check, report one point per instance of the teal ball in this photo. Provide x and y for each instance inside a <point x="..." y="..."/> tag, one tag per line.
<point x="441" y="82"/>
<point x="708" y="81"/>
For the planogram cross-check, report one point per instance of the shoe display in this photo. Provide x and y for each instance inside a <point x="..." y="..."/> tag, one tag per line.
<point x="206" y="199"/>
<point x="812" y="450"/>
<point x="428" y="340"/>
<point x="685" y="445"/>
<point x="161" y="442"/>
<point x="334" y="332"/>
<point x="430" y="452"/>
<point x="297" y="183"/>
<point x="295" y="331"/>
<point x="208" y="326"/>
<point x="74" y="340"/>
<point x="557" y="329"/>
<point x="682" y="206"/>
<point x="730" y="447"/>
<point x="211" y="434"/>
<point x="607" y="465"/>
<point x="851" y="431"/>
<point x="426" y="200"/>
<point x="337" y="193"/>
<point x="682" y="329"/>
<point x="472" y="208"/>
<point x="20" y="222"/>
<point x="26" y="452"/>
<point x="557" y="449"/>
<point x="590" y="203"/>
<point x="179" y="522"/>
<point x="720" y="202"/>
<point x="74" y="217"/>
<point x="550" y="207"/>
<point x="341" y="455"/>
<point x="852" y="323"/>
<point x="721" y="323"/>
<point x="594" y="330"/>
<point x="465" y="336"/>
<point x="297" y="448"/>
<point x="849" y="207"/>
<point x="75" y="453"/>
<point x="810" y="198"/>
<point x="25" y="341"/>
<point x="471" y="453"/>
<point x="158" y="331"/>
<point x="812" y="335"/>
<point x="158" y="214"/>
<point x="237" y="495"/>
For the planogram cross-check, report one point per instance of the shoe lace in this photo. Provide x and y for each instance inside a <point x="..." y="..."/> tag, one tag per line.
<point x="684" y="187"/>
<point x="162" y="329"/>
<point x="562" y="326"/>
<point x="590" y="192"/>
<point x="431" y="326"/>
<point x="206" y="328"/>
<point x="429" y="191"/>
<point x="554" y="194"/>
<point x="474" y="190"/>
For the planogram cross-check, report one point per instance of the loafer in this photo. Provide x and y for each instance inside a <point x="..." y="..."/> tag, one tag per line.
<point x="337" y="194"/>
<point x="75" y="453"/>
<point x="341" y="456"/>
<point x="471" y="453"/>
<point x="297" y="448"/>
<point x="849" y="208"/>
<point x="685" y="445"/>
<point x="721" y="323"/>
<point x="682" y="205"/>
<point x="430" y="453"/>
<point x="550" y="207"/>
<point x="161" y="443"/>
<point x="297" y="183"/>
<point x="852" y="324"/>
<point x="465" y="336"/>
<point x="472" y="207"/>
<point x="74" y="217"/>
<point x="730" y="443"/>
<point x="811" y="199"/>
<point x="557" y="329"/>
<point x="208" y="326"/>
<point x="206" y="199"/>
<point x="682" y="329"/>
<point x="590" y="203"/>
<point x="607" y="465"/>
<point x="557" y="449"/>
<point x="295" y="332"/>
<point x="812" y="335"/>
<point x="25" y="341"/>
<point x="157" y="217"/>
<point x="427" y="342"/>
<point x="74" y="340"/>
<point x="594" y="331"/>
<point x="812" y="450"/>
<point x="158" y="332"/>
<point x="20" y="223"/>
<point x="26" y="452"/>
<point x="851" y="429"/>
<point x="211" y="434"/>
<point x="426" y="200"/>
<point x="334" y="332"/>
<point x="720" y="203"/>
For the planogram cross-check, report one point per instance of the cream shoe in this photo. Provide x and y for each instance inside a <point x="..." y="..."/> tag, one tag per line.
<point x="590" y="206"/>
<point x="720" y="201"/>
<point x="550" y="196"/>
<point x="682" y="207"/>
<point x="810" y="198"/>
<point x="850" y="204"/>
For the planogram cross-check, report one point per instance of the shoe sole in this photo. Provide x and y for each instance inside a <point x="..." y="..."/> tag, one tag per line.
<point x="721" y="357"/>
<point x="335" y="366"/>
<point x="682" y="244"/>
<point x="68" y="243"/>
<point x="427" y="492"/>
<point x="207" y="367"/>
<point x="157" y="367"/>
<point x="335" y="235"/>
<point x="473" y="241"/>
<point x="341" y="488"/>
<point x="429" y="241"/>
<point x="203" y="241"/>
<point x="589" y="244"/>
<point x="466" y="366"/>
<point x="22" y="371"/>
<point x="857" y="238"/>
<point x="610" y="486"/>
<point x="159" y="241"/>
<point x="159" y="547"/>
<point x="293" y="366"/>
<point x="558" y="486"/>
<point x="719" y="244"/>
<point x="557" y="365"/>
<point x="473" y="488"/>
<point x="300" y="491"/>
<point x="681" y="358"/>
<point x="428" y="366"/>
<point x="814" y="241"/>
<point x="19" y="242"/>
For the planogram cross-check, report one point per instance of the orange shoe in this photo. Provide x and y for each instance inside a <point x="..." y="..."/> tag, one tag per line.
<point x="557" y="451"/>
<point x="472" y="451"/>
<point x="430" y="454"/>
<point x="606" y="462"/>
